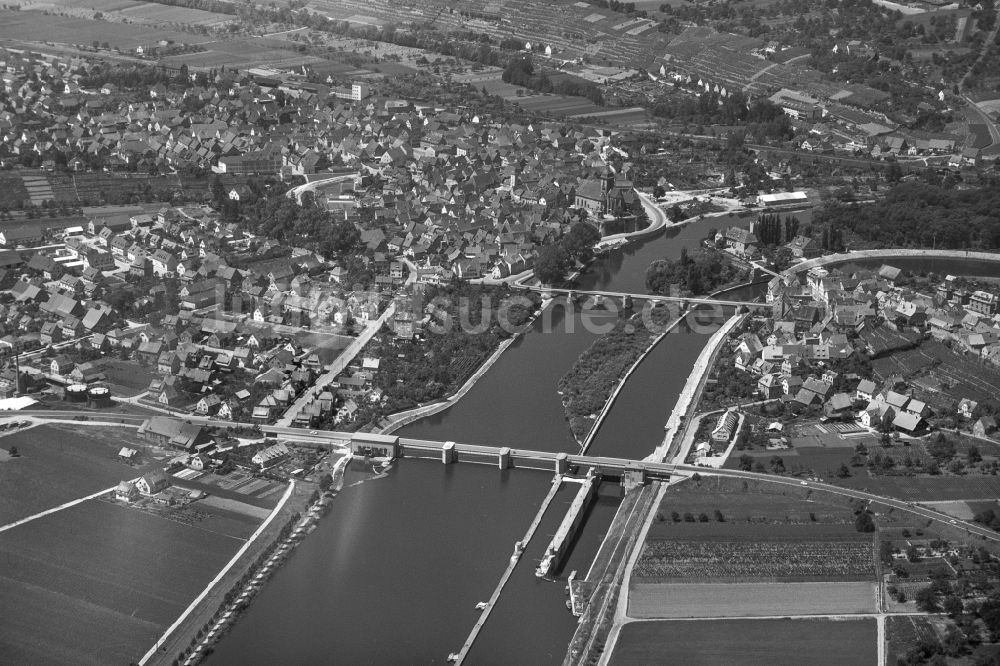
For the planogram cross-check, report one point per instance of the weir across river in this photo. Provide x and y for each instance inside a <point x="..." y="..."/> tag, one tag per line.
<point x="632" y="472"/>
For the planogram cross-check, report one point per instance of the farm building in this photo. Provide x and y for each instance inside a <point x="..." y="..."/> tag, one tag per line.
<point x="167" y="431"/>
<point x="153" y="482"/>
<point x="126" y="491"/>
<point x="984" y="426"/>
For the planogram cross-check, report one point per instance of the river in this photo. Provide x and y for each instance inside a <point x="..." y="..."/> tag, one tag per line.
<point x="392" y="574"/>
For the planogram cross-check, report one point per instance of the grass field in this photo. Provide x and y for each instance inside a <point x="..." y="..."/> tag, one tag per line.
<point x="129" y="379"/>
<point x="740" y="502"/>
<point x="98" y="582"/>
<point x="748" y="642"/>
<point x="929" y="488"/>
<point x="243" y="53"/>
<point x="678" y="600"/>
<point x="58" y="464"/>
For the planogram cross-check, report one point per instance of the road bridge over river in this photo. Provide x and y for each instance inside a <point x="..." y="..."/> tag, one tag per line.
<point x="634" y="471"/>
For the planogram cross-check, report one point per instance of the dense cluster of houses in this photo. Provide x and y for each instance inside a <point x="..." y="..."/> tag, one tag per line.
<point x="829" y="126"/>
<point x="456" y="193"/>
<point x="793" y="366"/>
<point x="823" y="318"/>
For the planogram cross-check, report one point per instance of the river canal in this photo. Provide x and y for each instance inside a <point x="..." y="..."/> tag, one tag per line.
<point x="393" y="573"/>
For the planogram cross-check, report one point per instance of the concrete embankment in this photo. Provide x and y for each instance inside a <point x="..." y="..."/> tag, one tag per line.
<point x="519" y="547"/>
<point x="403" y="419"/>
<point x="611" y="400"/>
<point x="890" y="253"/>
<point x="621" y="384"/>
<point x="686" y="402"/>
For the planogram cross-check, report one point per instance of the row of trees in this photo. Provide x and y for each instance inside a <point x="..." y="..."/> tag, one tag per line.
<point x="770" y="229"/>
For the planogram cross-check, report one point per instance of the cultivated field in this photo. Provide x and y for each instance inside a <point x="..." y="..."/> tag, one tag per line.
<point x="789" y="558"/>
<point x="36" y="27"/>
<point x="741" y="642"/>
<point x="131" y="11"/>
<point x="679" y="600"/>
<point x="903" y="633"/>
<point x="966" y="378"/>
<point x="97" y="583"/>
<point x="58" y="464"/>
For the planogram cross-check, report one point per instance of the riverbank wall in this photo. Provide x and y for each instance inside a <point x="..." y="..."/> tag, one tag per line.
<point x="181" y="642"/>
<point x="687" y="400"/>
<point x="621" y="384"/>
<point x="652" y="345"/>
<point x="889" y="253"/>
<point x="403" y="419"/>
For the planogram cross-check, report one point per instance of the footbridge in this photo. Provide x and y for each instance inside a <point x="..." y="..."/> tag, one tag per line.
<point x="655" y="298"/>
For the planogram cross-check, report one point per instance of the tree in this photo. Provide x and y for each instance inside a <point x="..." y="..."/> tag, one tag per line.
<point x="952" y="605"/>
<point x="926" y="600"/>
<point x="580" y="240"/>
<point x="941" y="448"/>
<point x="719" y="517"/>
<point x="746" y="462"/>
<point x="325" y="481"/>
<point x="843" y="472"/>
<point x="13" y="452"/>
<point x="551" y="264"/>
<point x="864" y="522"/>
<point x="973" y="455"/>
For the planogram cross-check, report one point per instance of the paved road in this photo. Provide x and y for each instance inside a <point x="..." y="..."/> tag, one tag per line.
<point x="338" y="365"/>
<point x="298" y="191"/>
<point x="972" y="528"/>
<point x="990" y="125"/>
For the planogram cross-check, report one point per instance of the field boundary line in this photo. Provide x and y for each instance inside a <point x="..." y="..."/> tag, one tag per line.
<point x="56" y="509"/>
<point x="215" y="581"/>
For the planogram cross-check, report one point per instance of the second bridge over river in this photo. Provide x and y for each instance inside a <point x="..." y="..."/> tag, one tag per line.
<point x="654" y="298"/>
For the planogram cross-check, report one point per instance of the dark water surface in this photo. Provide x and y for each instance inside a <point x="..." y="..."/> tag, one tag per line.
<point x="393" y="573"/>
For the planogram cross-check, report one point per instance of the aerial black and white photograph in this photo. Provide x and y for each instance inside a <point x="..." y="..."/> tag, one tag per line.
<point x="500" y="332"/>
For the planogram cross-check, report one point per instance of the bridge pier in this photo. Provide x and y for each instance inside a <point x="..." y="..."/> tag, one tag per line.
<point x="448" y="454"/>
<point x="562" y="463"/>
<point x="503" y="458"/>
<point x="633" y="477"/>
